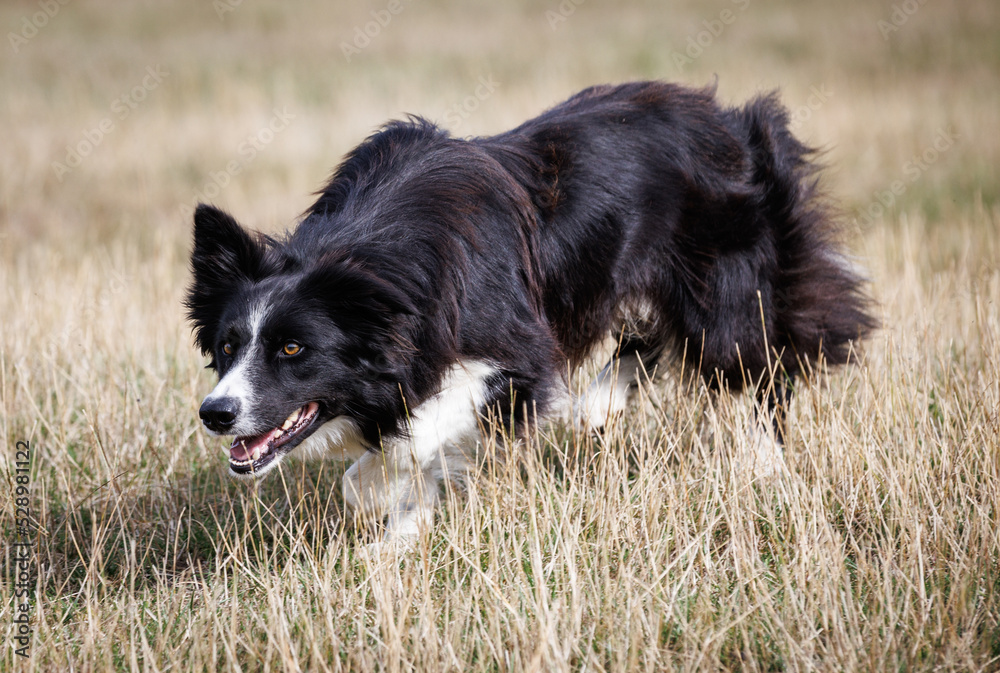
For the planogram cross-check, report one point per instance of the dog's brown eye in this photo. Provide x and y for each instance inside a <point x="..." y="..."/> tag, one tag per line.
<point x="227" y="348"/>
<point x="291" y="348"/>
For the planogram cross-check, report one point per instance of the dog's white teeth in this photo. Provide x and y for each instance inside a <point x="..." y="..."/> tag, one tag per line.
<point x="290" y="421"/>
<point x="279" y="432"/>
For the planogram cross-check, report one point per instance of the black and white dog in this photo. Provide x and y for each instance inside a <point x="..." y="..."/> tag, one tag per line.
<point x="438" y="280"/>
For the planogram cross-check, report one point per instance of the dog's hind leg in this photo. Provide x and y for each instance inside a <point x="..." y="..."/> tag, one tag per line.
<point x="608" y="395"/>
<point x="764" y="451"/>
<point x="772" y="406"/>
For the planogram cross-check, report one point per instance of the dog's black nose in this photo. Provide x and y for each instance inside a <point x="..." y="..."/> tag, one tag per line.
<point x="219" y="414"/>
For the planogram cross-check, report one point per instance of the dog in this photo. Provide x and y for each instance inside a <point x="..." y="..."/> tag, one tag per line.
<point x="437" y="281"/>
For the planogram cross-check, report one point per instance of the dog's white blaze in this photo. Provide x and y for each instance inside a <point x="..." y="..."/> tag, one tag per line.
<point x="256" y="319"/>
<point x="401" y="481"/>
<point x="237" y="382"/>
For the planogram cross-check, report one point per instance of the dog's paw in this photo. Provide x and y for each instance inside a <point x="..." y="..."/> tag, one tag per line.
<point x="760" y="456"/>
<point x="392" y="546"/>
<point x="601" y="407"/>
<point x="385" y="550"/>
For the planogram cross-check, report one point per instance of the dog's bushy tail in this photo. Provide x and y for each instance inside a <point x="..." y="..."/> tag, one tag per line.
<point x="818" y="299"/>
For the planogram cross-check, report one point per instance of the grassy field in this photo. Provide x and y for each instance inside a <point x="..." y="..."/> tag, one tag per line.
<point x="647" y="549"/>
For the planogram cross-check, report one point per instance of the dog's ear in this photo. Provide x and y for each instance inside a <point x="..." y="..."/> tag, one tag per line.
<point x="370" y="308"/>
<point x="354" y="294"/>
<point x="225" y="255"/>
<point x="224" y="250"/>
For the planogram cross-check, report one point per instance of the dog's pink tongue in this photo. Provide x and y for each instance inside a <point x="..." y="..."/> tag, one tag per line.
<point x="249" y="448"/>
<point x="238" y="451"/>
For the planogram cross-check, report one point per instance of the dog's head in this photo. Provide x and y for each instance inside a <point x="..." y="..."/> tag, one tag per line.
<point x="297" y="337"/>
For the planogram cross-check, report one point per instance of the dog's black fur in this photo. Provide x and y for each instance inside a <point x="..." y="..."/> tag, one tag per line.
<point x="699" y="225"/>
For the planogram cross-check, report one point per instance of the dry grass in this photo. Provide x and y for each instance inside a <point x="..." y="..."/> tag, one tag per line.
<point x="646" y="549"/>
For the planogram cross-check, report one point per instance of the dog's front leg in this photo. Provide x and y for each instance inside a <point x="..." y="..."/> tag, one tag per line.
<point x="400" y="483"/>
<point x="395" y="486"/>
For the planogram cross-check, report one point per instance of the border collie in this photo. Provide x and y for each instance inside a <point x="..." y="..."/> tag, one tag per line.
<point x="437" y="281"/>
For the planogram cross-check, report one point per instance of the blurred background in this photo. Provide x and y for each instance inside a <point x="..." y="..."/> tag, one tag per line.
<point x="873" y="83"/>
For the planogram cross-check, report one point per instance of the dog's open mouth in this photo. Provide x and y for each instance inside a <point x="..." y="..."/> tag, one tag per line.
<point x="251" y="454"/>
